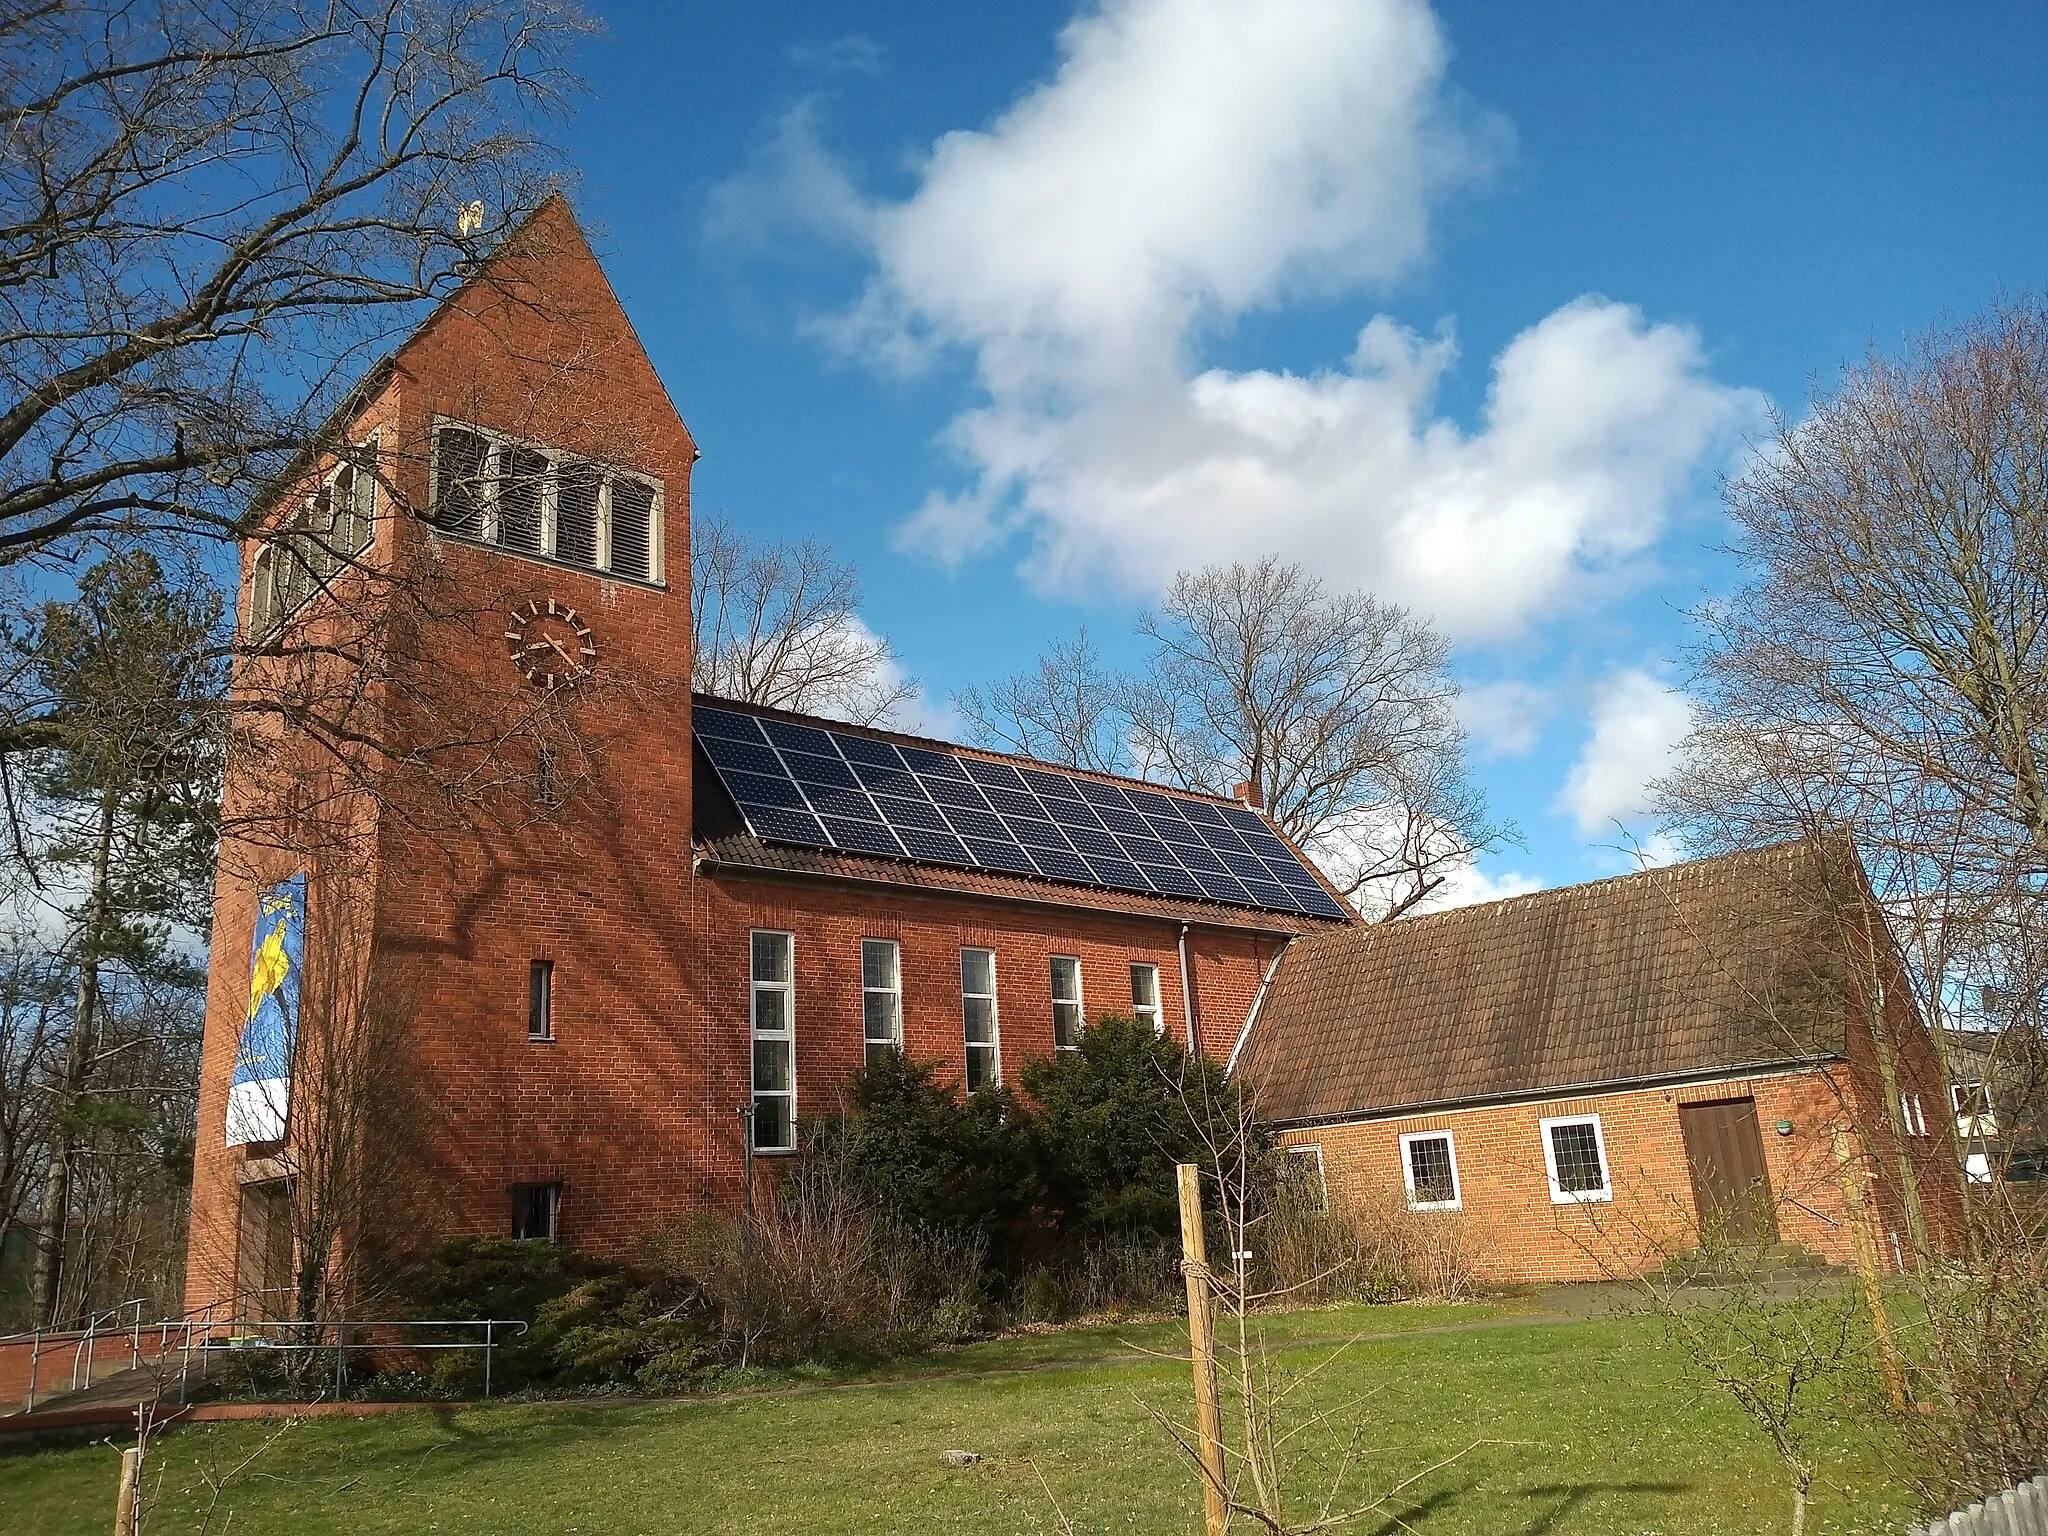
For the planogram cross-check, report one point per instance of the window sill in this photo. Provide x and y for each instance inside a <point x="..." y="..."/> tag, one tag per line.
<point x="1588" y="1197"/>
<point x="774" y="1152"/>
<point x="470" y="541"/>
<point x="1436" y="1205"/>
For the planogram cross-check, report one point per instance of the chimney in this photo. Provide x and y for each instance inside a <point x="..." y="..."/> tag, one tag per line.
<point x="1247" y="793"/>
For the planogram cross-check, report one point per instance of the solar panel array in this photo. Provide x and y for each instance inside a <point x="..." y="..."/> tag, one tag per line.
<point x="831" y="789"/>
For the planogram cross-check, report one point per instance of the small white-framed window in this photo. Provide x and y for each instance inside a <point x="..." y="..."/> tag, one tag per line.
<point x="1909" y="1113"/>
<point x="1066" y="1002"/>
<point x="978" y="1018"/>
<point x="1575" y="1156"/>
<point x="881" y="996"/>
<point x="1429" y="1169"/>
<point x="1145" y="997"/>
<point x="773" y="998"/>
<point x="1306" y="1177"/>
<point x="538" y="500"/>
<point x="540" y="1000"/>
<point x="330" y="529"/>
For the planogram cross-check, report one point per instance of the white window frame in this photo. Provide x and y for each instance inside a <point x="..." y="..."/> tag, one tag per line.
<point x="495" y="443"/>
<point x="1559" y="1195"/>
<point x="1911" y="1111"/>
<point x="994" y="1044"/>
<point x="553" y="1203"/>
<point x="1313" y="1150"/>
<point x="1457" y="1200"/>
<point x="271" y="598"/>
<point x="1074" y="1002"/>
<point x="786" y="1035"/>
<point x="1139" y="1010"/>
<point x="893" y="993"/>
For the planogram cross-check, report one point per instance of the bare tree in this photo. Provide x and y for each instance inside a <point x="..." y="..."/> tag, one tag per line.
<point x="1883" y="675"/>
<point x="213" y="217"/>
<point x="779" y="624"/>
<point x="1337" y="708"/>
<point x="1068" y="708"/>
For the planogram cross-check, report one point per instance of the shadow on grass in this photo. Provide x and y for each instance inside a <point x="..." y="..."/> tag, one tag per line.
<point x="1570" y="1496"/>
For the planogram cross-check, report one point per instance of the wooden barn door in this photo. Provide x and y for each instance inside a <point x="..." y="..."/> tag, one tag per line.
<point x="1726" y="1154"/>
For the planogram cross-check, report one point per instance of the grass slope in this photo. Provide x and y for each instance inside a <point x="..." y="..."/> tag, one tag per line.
<point x="1599" y="1428"/>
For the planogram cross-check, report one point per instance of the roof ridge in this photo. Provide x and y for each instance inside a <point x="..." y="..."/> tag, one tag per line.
<point x="1678" y="869"/>
<point x="883" y="733"/>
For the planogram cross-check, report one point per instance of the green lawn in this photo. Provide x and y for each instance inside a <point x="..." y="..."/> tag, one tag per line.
<point x="1597" y="1426"/>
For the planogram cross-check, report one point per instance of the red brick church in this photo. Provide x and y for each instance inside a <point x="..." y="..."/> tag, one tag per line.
<point x="564" y="946"/>
<point x="604" y="988"/>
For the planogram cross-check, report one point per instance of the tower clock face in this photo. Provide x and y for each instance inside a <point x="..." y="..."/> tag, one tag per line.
<point x="551" y="645"/>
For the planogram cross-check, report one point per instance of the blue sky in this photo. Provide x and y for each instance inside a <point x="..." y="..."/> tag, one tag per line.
<point x="1022" y="307"/>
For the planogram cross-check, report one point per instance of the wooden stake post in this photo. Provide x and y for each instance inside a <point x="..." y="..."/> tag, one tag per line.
<point x="1194" y="1264"/>
<point x="127" y="1502"/>
<point x="1864" y="1234"/>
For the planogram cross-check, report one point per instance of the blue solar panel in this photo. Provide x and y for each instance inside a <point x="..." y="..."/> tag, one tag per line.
<point x="834" y="789"/>
<point x="865" y="749"/>
<point x="938" y="847"/>
<point x="1095" y="845"/>
<point x="888" y="781"/>
<point x="915" y="813"/>
<point x="1222" y="888"/>
<point x="1036" y="834"/>
<point x="953" y="791"/>
<point x="984" y="824"/>
<point x="808" y="768"/>
<point x="995" y="855"/>
<point x="1172" y="879"/>
<point x="744" y="757"/>
<point x="1147" y="850"/>
<point x="759" y="789"/>
<point x="1013" y="802"/>
<point x="830" y="800"/>
<point x="786" y="826"/>
<point x="799" y="738"/>
<point x="720" y="722"/>
<point x="1072" y="813"/>
<point x="1057" y="865"/>
<point x="942" y="764"/>
<point x="983" y="771"/>
<point x="1122" y="875"/>
<point x="863" y="836"/>
<point x="1123" y="821"/>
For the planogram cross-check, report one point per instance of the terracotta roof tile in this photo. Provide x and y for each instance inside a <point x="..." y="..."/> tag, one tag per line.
<point x="1722" y="963"/>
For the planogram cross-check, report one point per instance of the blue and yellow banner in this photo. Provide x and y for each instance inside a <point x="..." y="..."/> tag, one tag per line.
<point x="259" y="1093"/>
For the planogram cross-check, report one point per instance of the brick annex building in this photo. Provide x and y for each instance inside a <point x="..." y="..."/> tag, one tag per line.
<point x="733" y="907"/>
<point x="1580" y="1078"/>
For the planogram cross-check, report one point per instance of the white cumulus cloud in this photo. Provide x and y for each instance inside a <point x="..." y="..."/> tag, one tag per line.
<point x="1189" y="163"/>
<point x="1636" y="723"/>
<point x="1505" y="718"/>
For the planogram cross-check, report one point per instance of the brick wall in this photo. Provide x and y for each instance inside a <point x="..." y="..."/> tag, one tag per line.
<point x="1516" y="1233"/>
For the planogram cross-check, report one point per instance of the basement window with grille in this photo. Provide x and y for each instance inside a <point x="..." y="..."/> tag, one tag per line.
<point x="1429" y="1168"/>
<point x="535" y="1208"/>
<point x="327" y="533"/>
<point x="541" y="502"/>
<point x="1575" y="1155"/>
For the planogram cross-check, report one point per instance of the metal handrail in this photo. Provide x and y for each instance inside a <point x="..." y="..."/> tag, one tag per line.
<point x="82" y="1355"/>
<point x="199" y="1332"/>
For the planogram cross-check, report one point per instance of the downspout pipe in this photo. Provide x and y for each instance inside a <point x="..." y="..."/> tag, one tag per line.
<point x="1187" y="994"/>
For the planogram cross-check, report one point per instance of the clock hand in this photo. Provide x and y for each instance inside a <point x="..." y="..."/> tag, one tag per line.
<point x="556" y="645"/>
